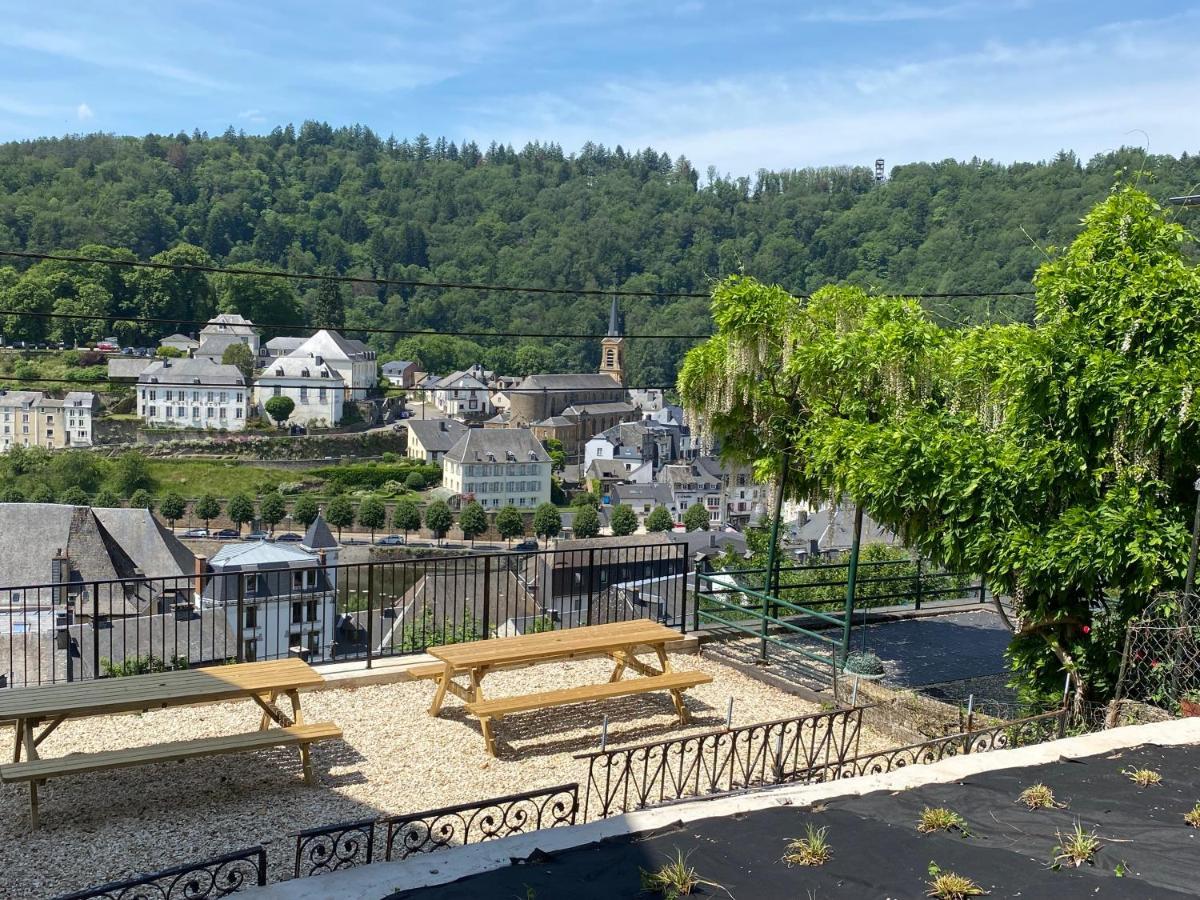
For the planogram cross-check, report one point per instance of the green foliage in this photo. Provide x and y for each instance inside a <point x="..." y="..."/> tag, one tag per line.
<point x="141" y="499"/>
<point x="623" y="520"/>
<point x="169" y="353"/>
<point x="280" y="408"/>
<point x="41" y="493"/>
<point x="372" y="476"/>
<point x="585" y="498"/>
<point x="240" y="509"/>
<point x="1056" y="461"/>
<point x="74" y="497"/>
<point x="172" y="507"/>
<point x="472" y="520"/>
<point x="272" y="509"/>
<point x="510" y="523"/>
<point x="429" y="631"/>
<point x="132" y="472"/>
<point x="438" y="518"/>
<point x="340" y="514"/>
<point x="554" y="447"/>
<point x="586" y="523"/>
<point x="695" y="518"/>
<point x="372" y="514"/>
<point x="306" y="510"/>
<point x="107" y="499"/>
<point x="547" y="522"/>
<point x="414" y="481"/>
<point x="329" y="308"/>
<point x="241" y="356"/>
<point x="141" y="665"/>
<point x="406" y="517"/>
<point x="659" y="520"/>
<point x="207" y="508"/>
<point x="12" y="494"/>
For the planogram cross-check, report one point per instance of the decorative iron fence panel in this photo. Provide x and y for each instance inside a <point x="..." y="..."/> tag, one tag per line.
<point x="625" y="779"/>
<point x="217" y="877"/>
<point x="333" y="847"/>
<point x="469" y="823"/>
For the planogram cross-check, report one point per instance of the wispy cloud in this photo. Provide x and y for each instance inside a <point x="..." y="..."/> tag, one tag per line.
<point x="83" y="112"/>
<point x="860" y="14"/>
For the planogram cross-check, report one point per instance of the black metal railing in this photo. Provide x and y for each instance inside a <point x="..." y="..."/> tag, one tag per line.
<point x="347" y="844"/>
<point x="322" y="611"/>
<point x="788" y="750"/>
<point x="217" y="877"/>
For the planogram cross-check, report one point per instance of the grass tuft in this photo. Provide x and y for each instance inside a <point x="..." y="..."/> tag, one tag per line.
<point x="1076" y="847"/>
<point x="1039" y="796"/>
<point x="811" y="850"/>
<point x="1143" y="777"/>
<point x="951" y="885"/>
<point x="1193" y="816"/>
<point x="941" y="819"/>
<point x="674" y="879"/>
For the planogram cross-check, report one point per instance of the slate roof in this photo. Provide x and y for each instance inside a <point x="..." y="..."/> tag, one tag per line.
<point x="433" y="436"/>
<point x="587" y="381"/>
<point x="397" y="366"/>
<point x="228" y="323"/>
<point x="128" y="367"/>
<point x="178" y="338"/>
<point x="659" y="494"/>
<point x="259" y="553"/>
<point x="331" y="345"/>
<point x="201" y="372"/>
<point x="504" y="444"/>
<point x="318" y="536"/>
<point x="599" y="409"/>
<point x="149" y="543"/>
<point x="607" y="469"/>
<point x="295" y="367"/>
<point x="285" y="343"/>
<point x="832" y="527"/>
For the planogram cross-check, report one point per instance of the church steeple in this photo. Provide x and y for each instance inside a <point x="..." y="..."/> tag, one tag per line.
<point x="612" y="348"/>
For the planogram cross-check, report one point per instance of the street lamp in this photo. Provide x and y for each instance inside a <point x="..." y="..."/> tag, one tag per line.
<point x="1191" y="569"/>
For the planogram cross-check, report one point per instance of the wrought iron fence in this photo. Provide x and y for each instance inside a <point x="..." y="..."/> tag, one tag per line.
<point x="347" y="844"/>
<point x="217" y="877"/>
<point x="324" y="611"/>
<point x="629" y="778"/>
<point x="333" y="847"/>
<point x="471" y="823"/>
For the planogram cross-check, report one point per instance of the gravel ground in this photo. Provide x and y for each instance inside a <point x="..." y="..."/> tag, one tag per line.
<point x="395" y="758"/>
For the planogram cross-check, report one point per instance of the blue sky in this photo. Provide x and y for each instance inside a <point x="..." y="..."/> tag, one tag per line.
<point x="736" y="85"/>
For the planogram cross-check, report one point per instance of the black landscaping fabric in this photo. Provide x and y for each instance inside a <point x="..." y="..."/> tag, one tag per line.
<point x="1148" y="851"/>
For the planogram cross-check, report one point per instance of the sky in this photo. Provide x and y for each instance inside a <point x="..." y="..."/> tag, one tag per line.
<point x="734" y="85"/>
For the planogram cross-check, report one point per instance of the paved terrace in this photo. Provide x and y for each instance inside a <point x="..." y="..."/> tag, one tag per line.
<point x="394" y="759"/>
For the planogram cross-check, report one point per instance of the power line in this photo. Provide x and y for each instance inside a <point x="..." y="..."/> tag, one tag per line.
<point x="394" y="389"/>
<point x="278" y="326"/>
<point x="452" y="285"/>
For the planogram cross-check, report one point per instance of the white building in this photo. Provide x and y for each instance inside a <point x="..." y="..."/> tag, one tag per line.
<point x="223" y="331"/>
<point x="288" y="598"/>
<point x="696" y="483"/>
<point x="192" y="393"/>
<point x="498" y="467"/>
<point x="180" y="342"/>
<point x="31" y="419"/>
<point x="316" y="389"/>
<point x="352" y="360"/>
<point x="465" y="394"/>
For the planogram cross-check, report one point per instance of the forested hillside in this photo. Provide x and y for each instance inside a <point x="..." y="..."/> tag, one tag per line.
<point x="348" y="201"/>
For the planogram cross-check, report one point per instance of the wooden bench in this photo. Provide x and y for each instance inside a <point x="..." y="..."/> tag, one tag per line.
<point x="675" y="682"/>
<point x="425" y="671"/>
<point x="36" y="771"/>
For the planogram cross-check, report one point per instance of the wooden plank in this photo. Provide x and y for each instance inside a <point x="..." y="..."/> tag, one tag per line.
<point x="79" y="763"/>
<point x="555" y="644"/>
<point x="143" y="692"/>
<point x="673" y="681"/>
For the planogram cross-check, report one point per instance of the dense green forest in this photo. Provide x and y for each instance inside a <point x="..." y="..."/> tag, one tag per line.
<point x="345" y="200"/>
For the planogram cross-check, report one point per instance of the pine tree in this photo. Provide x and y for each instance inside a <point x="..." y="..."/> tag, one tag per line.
<point x="329" y="310"/>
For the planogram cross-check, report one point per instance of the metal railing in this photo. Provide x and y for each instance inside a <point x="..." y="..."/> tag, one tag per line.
<point x="630" y="778"/>
<point x="347" y="844"/>
<point x="217" y="877"/>
<point x="324" y="612"/>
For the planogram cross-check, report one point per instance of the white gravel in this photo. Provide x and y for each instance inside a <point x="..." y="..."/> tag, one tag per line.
<point x="394" y="758"/>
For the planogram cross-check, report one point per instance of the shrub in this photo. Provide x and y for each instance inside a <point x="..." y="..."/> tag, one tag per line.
<point x="623" y="520"/>
<point x="141" y="499"/>
<point x="1039" y="796"/>
<point x="414" y="482"/>
<point x="1076" y="847"/>
<point x="659" y="520"/>
<point x="811" y="850"/>
<point x="586" y="523"/>
<point x="863" y="662"/>
<point x="941" y="819"/>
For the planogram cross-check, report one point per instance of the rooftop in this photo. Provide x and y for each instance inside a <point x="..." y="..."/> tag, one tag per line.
<point x="587" y="381"/>
<point x="331" y="345"/>
<point x="201" y="372"/>
<point x="436" y="435"/>
<point x="299" y="367"/>
<point x="259" y="553"/>
<point x="227" y="323"/>
<point x="497" y="445"/>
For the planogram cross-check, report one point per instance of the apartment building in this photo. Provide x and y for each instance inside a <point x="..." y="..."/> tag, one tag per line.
<point x="498" y="467"/>
<point x="193" y="393"/>
<point x="31" y="419"/>
<point x="316" y="390"/>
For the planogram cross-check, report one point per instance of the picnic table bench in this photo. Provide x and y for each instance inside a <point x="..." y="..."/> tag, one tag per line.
<point x="262" y="682"/>
<point x="619" y="641"/>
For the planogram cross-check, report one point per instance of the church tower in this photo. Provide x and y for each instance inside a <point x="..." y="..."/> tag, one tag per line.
<point x="612" y="349"/>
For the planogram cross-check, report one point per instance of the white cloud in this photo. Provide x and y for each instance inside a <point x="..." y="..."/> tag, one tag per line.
<point x="252" y="115"/>
<point x="83" y="112"/>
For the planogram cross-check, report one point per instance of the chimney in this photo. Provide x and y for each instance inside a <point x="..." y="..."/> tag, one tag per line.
<point x="201" y="568"/>
<point x="442" y="425"/>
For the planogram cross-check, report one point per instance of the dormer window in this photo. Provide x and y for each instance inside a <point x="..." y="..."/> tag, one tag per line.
<point x="304" y="373"/>
<point x="279" y="371"/>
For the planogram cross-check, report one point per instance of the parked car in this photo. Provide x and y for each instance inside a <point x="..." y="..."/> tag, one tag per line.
<point x="288" y="537"/>
<point x="195" y="533"/>
<point x="405" y="414"/>
<point x="391" y="540"/>
<point x="128" y="351"/>
<point x="227" y="534"/>
<point x="257" y="536"/>
<point x="527" y="545"/>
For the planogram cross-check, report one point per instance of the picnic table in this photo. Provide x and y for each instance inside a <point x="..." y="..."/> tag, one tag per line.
<point x="49" y="706"/>
<point x="620" y="641"/>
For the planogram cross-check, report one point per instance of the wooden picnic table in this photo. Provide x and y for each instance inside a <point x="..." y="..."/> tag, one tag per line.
<point x="620" y="641"/>
<point x="54" y="704"/>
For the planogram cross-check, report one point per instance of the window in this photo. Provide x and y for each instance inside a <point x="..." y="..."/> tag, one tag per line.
<point x="221" y="413"/>
<point x="303" y="395"/>
<point x="321" y="394"/>
<point x="299" y="580"/>
<point x="312" y="610"/>
<point x="314" y="643"/>
<point x="250" y="651"/>
<point x="153" y="413"/>
<point x="210" y="397"/>
<point x="224" y="397"/>
<point x="276" y="391"/>
<point x="181" y="411"/>
<point x="237" y="413"/>
<point x="208" y="413"/>
<point x="195" y="412"/>
<point x="297" y="613"/>
<point x="251" y="616"/>
<point x="169" y="397"/>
